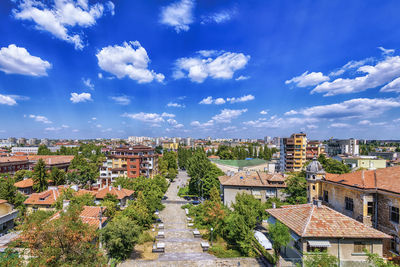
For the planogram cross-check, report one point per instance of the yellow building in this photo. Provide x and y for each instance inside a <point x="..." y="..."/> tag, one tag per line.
<point x="293" y="152"/>
<point x="170" y="146"/>
<point x="369" y="196"/>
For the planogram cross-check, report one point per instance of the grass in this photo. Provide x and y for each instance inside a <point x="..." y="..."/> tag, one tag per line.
<point x="221" y="251"/>
<point x="145" y="237"/>
<point x="183" y="191"/>
<point x="239" y="163"/>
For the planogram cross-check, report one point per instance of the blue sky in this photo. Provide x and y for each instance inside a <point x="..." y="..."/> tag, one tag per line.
<point x="85" y="69"/>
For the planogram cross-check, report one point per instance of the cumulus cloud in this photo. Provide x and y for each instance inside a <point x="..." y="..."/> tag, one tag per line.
<point x="168" y="115"/>
<point x="227" y="115"/>
<point x="358" y="107"/>
<point x="219" y="101"/>
<point x="219" y="17"/>
<point x="339" y="125"/>
<point x="242" y="78"/>
<point x="178" y="15"/>
<point x="17" y="60"/>
<point x="202" y="125"/>
<point x="263" y="112"/>
<point x="40" y="118"/>
<point x="275" y="122"/>
<point x="152" y="118"/>
<point x="121" y="100"/>
<point x="7" y="100"/>
<point x="308" y="79"/>
<point x="129" y="60"/>
<point x="393" y="86"/>
<point x="64" y="18"/>
<point x="383" y="72"/>
<point x="369" y="123"/>
<point x="216" y="65"/>
<point x="83" y="97"/>
<point x="353" y="64"/>
<point x="175" y="105"/>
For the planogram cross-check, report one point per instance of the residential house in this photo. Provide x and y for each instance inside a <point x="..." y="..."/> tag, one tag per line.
<point x="7" y="216"/>
<point x="365" y="162"/>
<point x="123" y="195"/>
<point x="42" y="201"/>
<point x="92" y="215"/>
<point x="315" y="227"/>
<point x="12" y="164"/>
<point x="259" y="184"/>
<point x="368" y="196"/>
<point x="25" y="186"/>
<point x="293" y="153"/>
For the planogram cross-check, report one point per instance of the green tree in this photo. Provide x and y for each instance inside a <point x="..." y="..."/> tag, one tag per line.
<point x="249" y="208"/>
<point x="40" y="178"/>
<point x="296" y="188"/>
<point x="21" y="174"/>
<point x="377" y="261"/>
<point x="239" y="234"/>
<point x="120" y="237"/>
<point x="57" y="176"/>
<point x="137" y="211"/>
<point x="280" y="236"/>
<point x="332" y="165"/>
<point x="320" y="259"/>
<point x="43" y="150"/>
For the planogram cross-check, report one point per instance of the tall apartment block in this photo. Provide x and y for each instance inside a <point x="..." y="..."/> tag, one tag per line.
<point x="130" y="162"/>
<point x="293" y="153"/>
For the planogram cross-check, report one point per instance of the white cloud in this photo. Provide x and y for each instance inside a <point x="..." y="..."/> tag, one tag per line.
<point x="312" y="126"/>
<point x="17" y="60"/>
<point x="227" y="115"/>
<point x="94" y="118"/>
<point x="62" y="17"/>
<point x="393" y="86"/>
<point x="7" y="100"/>
<point x="75" y="130"/>
<point x="64" y="126"/>
<point x="178" y="15"/>
<point x="52" y="129"/>
<point x="106" y="130"/>
<point x="339" y="125"/>
<point x="40" y="118"/>
<point x="178" y="126"/>
<point x="275" y="122"/>
<point x="121" y="100"/>
<point x="197" y="69"/>
<point x="130" y="60"/>
<point x="242" y="78"/>
<point x="219" y="17"/>
<point x="88" y="83"/>
<point x="351" y="65"/>
<point x="83" y="97"/>
<point x="386" y="51"/>
<point x="168" y="115"/>
<point x="358" y="107"/>
<point x="244" y="98"/>
<point x="383" y="72"/>
<point x="152" y="118"/>
<point x="263" y="112"/>
<point x="369" y="123"/>
<point x="99" y="125"/>
<point x="100" y="75"/>
<point x="202" y="125"/>
<point x="219" y="101"/>
<point x="229" y="128"/>
<point x="308" y="79"/>
<point x="175" y="105"/>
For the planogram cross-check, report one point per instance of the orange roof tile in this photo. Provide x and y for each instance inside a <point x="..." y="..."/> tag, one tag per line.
<point x="89" y="215"/>
<point x="308" y="220"/>
<point x="48" y="197"/>
<point x="3" y="201"/>
<point x="24" y="183"/>
<point x="114" y="191"/>
<point x="254" y="179"/>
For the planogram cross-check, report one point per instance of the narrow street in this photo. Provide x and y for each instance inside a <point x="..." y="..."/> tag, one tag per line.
<point x="181" y="247"/>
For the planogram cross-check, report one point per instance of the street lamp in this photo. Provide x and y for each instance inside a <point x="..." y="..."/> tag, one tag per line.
<point x="211" y="234"/>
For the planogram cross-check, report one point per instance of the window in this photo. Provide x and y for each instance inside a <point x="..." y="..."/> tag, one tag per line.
<point x="313" y="187"/>
<point x="326" y="196"/>
<point x="316" y="249"/>
<point x="360" y="246"/>
<point x="370" y="211"/>
<point x="394" y="214"/>
<point x="393" y="244"/>
<point x="349" y="204"/>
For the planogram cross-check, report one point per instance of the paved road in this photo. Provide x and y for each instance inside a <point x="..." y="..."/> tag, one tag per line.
<point x="181" y="248"/>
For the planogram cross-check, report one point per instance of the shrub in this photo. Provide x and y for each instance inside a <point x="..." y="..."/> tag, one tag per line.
<point x="221" y="252"/>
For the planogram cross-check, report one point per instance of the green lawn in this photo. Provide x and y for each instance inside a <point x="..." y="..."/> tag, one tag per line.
<point x="239" y="163"/>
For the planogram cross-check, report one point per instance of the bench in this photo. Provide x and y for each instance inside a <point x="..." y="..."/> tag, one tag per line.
<point x="160" y="235"/>
<point x="190" y="224"/>
<point x="158" y="248"/>
<point x="189" y="219"/>
<point x="187" y="211"/>
<point x="205" y="246"/>
<point x="160" y="226"/>
<point x="196" y="233"/>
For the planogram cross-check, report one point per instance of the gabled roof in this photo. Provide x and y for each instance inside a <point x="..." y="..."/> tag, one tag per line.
<point x="308" y="220"/>
<point x="119" y="193"/>
<point x="387" y="179"/>
<point x="48" y="159"/>
<point x="89" y="215"/>
<point x="26" y="183"/>
<point x="254" y="179"/>
<point x="48" y="197"/>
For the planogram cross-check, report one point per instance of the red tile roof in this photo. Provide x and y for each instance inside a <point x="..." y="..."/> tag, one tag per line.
<point x="114" y="191"/>
<point x="48" y="159"/>
<point x="89" y="215"/>
<point x="308" y="220"/>
<point x="254" y="179"/>
<point x="24" y="183"/>
<point x="387" y="179"/>
<point x="48" y="197"/>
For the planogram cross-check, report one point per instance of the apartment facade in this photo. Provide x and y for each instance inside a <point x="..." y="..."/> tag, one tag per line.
<point x="293" y="153"/>
<point x="368" y="196"/>
<point x="131" y="162"/>
<point x="314" y="149"/>
<point x="345" y="147"/>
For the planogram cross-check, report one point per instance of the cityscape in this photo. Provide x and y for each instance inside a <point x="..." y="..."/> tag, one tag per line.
<point x="199" y="133"/>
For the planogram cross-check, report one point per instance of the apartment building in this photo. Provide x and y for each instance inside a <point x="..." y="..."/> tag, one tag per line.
<point x="314" y="149"/>
<point x="368" y="196"/>
<point x="12" y="164"/>
<point x="345" y="147"/>
<point x="293" y="153"/>
<point x="131" y="162"/>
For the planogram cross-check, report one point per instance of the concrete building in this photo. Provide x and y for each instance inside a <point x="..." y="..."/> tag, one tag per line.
<point x="345" y="147"/>
<point x="317" y="227"/>
<point x="7" y="216"/>
<point x="293" y="153"/>
<point x="21" y="141"/>
<point x="368" y="196"/>
<point x="12" y="164"/>
<point x="314" y="149"/>
<point x="32" y="141"/>
<point x="365" y="162"/>
<point x="388" y="155"/>
<point x="259" y="184"/>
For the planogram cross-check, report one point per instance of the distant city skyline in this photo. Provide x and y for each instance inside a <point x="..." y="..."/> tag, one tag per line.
<point x="112" y="69"/>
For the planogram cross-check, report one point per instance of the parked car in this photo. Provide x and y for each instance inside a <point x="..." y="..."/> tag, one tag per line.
<point x="195" y="202"/>
<point x="164" y="197"/>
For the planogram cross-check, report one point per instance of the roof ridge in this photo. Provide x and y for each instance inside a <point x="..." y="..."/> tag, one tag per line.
<point x="259" y="176"/>
<point x="308" y="220"/>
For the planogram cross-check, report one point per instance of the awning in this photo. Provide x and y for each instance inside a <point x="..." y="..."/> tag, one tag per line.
<point x="319" y="243"/>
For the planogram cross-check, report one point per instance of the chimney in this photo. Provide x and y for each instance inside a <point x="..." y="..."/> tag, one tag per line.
<point x="317" y="203"/>
<point x="119" y="187"/>
<point x="65" y="205"/>
<point x="110" y="188"/>
<point x="273" y="205"/>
